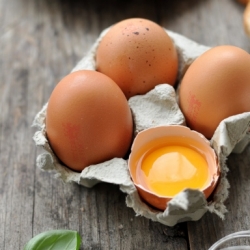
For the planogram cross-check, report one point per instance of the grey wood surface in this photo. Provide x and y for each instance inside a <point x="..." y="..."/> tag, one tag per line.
<point x="40" y="42"/>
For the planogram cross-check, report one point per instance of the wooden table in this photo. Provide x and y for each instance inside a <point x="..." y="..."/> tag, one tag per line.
<point x="40" y="42"/>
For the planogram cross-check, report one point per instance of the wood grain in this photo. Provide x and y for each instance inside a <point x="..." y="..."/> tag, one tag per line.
<point x="40" y="42"/>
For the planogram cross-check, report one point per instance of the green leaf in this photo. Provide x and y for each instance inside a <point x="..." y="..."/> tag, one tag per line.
<point x="55" y="240"/>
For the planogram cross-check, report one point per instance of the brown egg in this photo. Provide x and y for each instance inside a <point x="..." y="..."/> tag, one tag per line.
<point x="137" y="54"/>
<point x="88" y="120"/>
<point x="215" y="86"/>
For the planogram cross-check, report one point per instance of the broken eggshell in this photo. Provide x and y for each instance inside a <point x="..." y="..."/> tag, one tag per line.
<point x="160" y="135"/>
<point x="162" y="109"/>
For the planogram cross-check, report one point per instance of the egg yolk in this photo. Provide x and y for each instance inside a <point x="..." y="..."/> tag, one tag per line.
<point x="167" y="170"/>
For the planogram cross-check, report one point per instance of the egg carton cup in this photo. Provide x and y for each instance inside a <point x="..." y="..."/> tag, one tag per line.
<point x="157" y="107"/>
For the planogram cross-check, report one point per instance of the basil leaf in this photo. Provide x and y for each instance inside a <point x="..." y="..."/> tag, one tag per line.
<point x="55" y="240"/>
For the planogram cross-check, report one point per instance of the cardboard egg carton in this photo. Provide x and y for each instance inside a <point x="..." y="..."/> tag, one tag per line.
<point x="157" y="107"/>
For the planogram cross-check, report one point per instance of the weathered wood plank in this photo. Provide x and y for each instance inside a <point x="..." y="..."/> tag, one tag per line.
<point x="217" y="23"/>
<point x="40" y="42"/>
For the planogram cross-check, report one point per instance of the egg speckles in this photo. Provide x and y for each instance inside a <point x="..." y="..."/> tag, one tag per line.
<point x="137" y="54"/>
<point x="215" y="86"/>
<point x="88" y="120"/>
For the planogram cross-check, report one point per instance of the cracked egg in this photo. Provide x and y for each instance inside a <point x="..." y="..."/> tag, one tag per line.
<point x="166" y="160"/>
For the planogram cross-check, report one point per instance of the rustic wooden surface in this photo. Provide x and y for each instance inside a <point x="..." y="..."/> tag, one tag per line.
<point x="40" y="42"/>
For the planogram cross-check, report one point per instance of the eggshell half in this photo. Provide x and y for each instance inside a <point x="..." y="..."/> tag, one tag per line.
<point x="158" y="135"/>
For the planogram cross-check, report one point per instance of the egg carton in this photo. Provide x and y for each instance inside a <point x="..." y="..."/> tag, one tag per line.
<point x="157" y="107"/>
